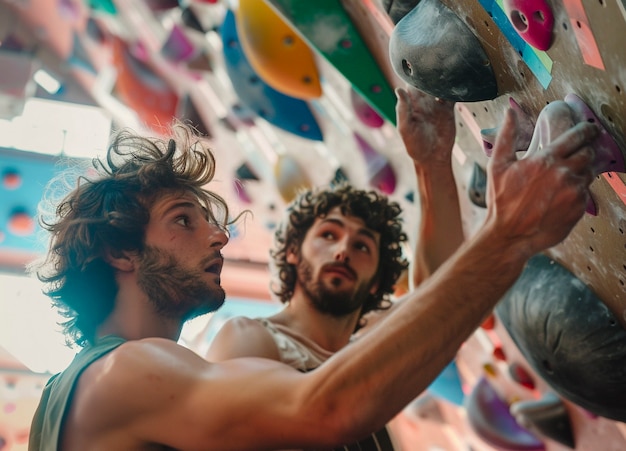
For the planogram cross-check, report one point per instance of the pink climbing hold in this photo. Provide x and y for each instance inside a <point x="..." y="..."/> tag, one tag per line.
<point x="178" y="47"/>
<point x="533" y="20"/>
<point x="553" y="120"/>
<point x="381" y="174"/>
<point x="364" y="112"/>
<point x="241" y="192"/>
<point x="608" y="158"/>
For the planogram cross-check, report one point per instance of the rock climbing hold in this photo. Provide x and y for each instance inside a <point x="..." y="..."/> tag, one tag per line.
<point x="245" y="172"/>
<point x="11" y="179"/>
<point x="519" y="374"/>
<point x="381" y="174"/>
<point x="21" y="223"/>
<point x="364" y="112"/>
<point x="424" y="54"/>
<point x="288" y="113"/>
<point x="608" y="155"/>
<point x="477" y="187"/>
<point x="490" y="418"/>
<point x="546" y="417"/>
<point x="489" y="323"/>
<point x="568" y="336"/>
<point x="397" y="9"/>
<point x="498" y="353"/>
<point x="533" y="20"/>
<point x="276" y="51"/>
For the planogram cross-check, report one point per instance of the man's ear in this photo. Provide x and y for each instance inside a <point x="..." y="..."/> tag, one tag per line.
<point x="121" y="260"/>
<point x="292" y="256"/>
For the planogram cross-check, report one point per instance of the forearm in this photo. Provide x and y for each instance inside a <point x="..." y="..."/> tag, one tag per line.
<point x="440" y="230"/>
<point x="405" y="351"/>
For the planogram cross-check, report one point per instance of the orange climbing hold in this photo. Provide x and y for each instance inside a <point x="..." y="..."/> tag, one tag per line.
<point x="276" y="52"/>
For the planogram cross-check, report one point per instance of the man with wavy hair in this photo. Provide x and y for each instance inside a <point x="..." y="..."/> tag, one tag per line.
<point x="339" y="253"/>
<point x="135" y="251"/>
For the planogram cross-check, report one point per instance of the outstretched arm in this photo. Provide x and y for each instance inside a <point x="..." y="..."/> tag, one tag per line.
<point x="159" y="394"/>
<point x="427" y="127"/>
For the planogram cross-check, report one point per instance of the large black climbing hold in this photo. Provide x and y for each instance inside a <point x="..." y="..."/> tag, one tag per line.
<point x="397" y="9"/>
<point x="432" y="49"/>
<point x="569" y="336"/>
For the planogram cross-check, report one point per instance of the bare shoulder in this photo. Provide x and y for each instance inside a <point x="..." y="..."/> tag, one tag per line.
<point x="118" y="394"/>
<point x="131" y="375"/>
<point x="242" y="337"/>
<point x="155" y="391"/>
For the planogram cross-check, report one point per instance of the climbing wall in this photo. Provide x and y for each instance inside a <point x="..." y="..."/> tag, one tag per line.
<point x="584" y="57"/>
<point x="547" y="370"/>
<point x="293" y="93"/>
<point x="24" y="176"/>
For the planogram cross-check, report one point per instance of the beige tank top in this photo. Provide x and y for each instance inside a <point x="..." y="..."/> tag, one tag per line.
<point x="305" y="355"/>
<point x="295" y="350"/>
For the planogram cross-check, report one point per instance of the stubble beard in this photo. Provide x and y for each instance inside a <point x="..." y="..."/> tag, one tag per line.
<point x="175" y="291"/>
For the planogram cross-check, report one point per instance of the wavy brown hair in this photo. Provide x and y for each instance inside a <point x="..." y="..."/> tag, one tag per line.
<point x="378" y="213"/>
<point x="108" y="210"/>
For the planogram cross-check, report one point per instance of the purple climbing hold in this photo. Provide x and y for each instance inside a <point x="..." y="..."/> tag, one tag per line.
<point x="490" y="418"/>
<point x="609" y="158"/>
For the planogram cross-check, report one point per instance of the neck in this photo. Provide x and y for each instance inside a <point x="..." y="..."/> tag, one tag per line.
<point x="134" y="318"/>
<point x="330" y="332"/>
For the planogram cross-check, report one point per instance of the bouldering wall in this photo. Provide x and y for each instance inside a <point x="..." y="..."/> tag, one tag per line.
<point x="564" y="320"/>
<point x="327" y="114"/>
<point x="547" y="370"/>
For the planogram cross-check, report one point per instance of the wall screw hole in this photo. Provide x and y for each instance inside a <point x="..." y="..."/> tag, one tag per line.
<point x="547" y="366"/>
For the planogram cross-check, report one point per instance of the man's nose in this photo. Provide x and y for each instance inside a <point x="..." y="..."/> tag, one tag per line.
<point x="217" y="237"/>
<point x="341" y="252"/>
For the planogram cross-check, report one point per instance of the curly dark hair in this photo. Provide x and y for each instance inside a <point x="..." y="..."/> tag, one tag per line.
<point x="378" y="213"/>
<point x="107" y="211"/>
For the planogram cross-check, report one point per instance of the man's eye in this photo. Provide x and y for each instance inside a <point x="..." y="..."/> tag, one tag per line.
<point x="183" y="220"/>
<point x="328" y="235"/>
<point x="363" y="247"/>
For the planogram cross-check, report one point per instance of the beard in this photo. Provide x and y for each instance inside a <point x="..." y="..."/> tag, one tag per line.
<point x="176" y="292"/>
<point x="331" y="300"/>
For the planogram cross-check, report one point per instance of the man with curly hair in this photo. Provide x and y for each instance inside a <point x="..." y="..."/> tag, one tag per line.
<point x="338" y="254"/>
<point x="135" y="251"/>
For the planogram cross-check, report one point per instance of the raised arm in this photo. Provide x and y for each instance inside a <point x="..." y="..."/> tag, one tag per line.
<point x="427" y="127"/>
<point x="174" y="397"/>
